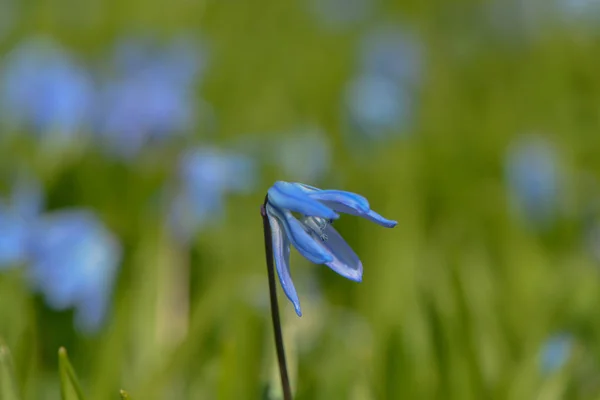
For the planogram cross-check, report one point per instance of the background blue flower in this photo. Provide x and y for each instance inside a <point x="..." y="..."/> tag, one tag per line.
<point x="534" y="178"/>
<point x="43" y="88"/>
<point x="74" y="260"/>
<point x="393" y="52"/>
<point x="377" y="107"/>
<point x="556" y="352"/>
<point x="381" y="98"/>
<point x="151" y="95"/>
<point x="206" y="176"/>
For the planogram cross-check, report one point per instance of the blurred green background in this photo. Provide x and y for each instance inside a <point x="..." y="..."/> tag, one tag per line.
<point x="137" y="142"/>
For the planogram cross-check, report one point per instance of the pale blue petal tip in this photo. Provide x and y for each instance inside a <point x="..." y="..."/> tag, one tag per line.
<point x="378" y="219"/>
<point x="355" y="274"/>
<point x="298" y="311"/>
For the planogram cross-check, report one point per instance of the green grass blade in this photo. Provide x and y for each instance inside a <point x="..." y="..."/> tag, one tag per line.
<point x="69" y="385"/>
<point x="8" y="385"/>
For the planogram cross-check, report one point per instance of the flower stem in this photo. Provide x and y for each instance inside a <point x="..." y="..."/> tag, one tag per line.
<point x="285" y="381"/>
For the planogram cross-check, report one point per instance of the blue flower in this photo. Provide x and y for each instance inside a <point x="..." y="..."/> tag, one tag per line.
<point x="394" y="53"/>
<point x="579" y="12"/>
<point x="74" y="261"/>
<point x="206" y="176"/>
<point x="555" y="353"/>
<point x="533" y="175"/>
<point x="44" y="89"/>
<point x="182" y="61"/>
<point x="16" y="218"/>
<point x="151" y="98"/>
<point x="141" y="110"/>
<point x="380" y="99"/>
<point x="313" y="235"/>
<point x="377" y="106"/>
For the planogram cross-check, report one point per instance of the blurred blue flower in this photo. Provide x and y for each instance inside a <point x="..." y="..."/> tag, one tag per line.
<point x="313" y="235"/>
<point x="74" y="262"/>
<point x="556" y="352"/>
<point x="527" y="19"/>
<point x="207" y="175"/>
<point x="579" y="11"/>
<point x="304" y="155"/>
<point x="532" y="172"/>
<point x="394" y="53"/>
<point x="339" y="14"/>
<point x="377" y="107"/>
<point x="17" y="216"/>
<point x="44" y="89"/>
<point x="182" y="60"/>
<point x="380" y="100"/>
<point x="152" y="97"/>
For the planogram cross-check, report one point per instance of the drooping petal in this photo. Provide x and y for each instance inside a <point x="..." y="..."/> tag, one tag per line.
<point x="350" y="208"/>
<point x="298" y="236"/>
<point x="281" y="254"/>
<point x="342" y="199"/>
<point x="288" y="196"/>
<point x="378" y="219"/>
<point x="345" y="261"/>
<point x="347" y="203"/>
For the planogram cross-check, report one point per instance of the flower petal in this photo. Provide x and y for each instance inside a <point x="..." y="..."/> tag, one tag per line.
<point x="302" y="241"/>
<point x="345" y="261"/>
<point x="349" y="208"/>
<point x="342" y="199"/>
<point x="378" y="219"/>
<point x="281" y="254"/>
<point x="370" y="214"/>
<point x="347" y="203"/>
<point x="288" y="196"/>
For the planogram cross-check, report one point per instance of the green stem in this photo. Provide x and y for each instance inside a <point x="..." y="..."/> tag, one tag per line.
<point x="285" y="381"/>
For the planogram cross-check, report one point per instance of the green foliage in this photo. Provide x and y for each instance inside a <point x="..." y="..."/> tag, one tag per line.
<point x="456" y="301"/>
<point x="69" y="384"/>
<point x="8" y="384"/>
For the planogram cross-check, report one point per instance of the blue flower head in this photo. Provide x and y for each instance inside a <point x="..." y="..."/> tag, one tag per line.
<point x="392" y="52"/>
<point x="74" y="261"/>
<point x="43" y="88"/>
<point x="207" y="176"/>
<point x="555" y="352"/>
<point x="377" y="106"/>
<point x="533" y="174"/>
<point x="313" y="234"/>
<point x="151" y="98"/>
<point x="380" y="100"/>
